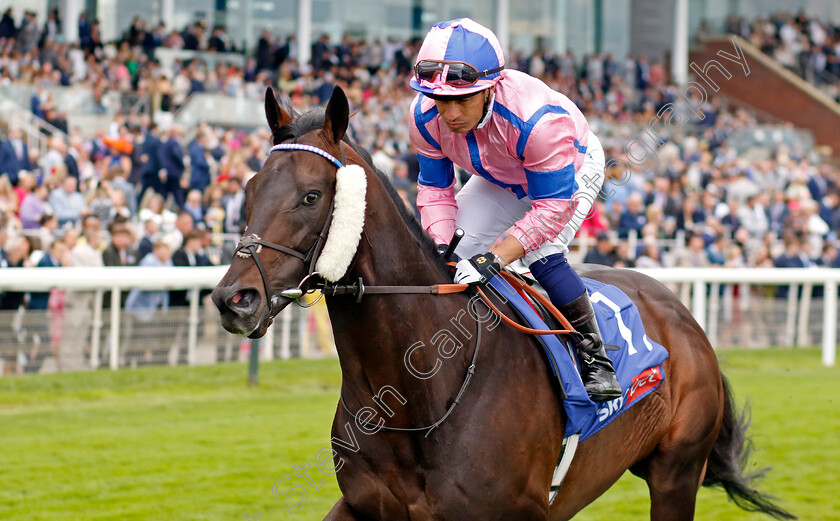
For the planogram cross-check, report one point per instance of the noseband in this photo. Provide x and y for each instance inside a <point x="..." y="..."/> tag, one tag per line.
<point x="252" y="245"/>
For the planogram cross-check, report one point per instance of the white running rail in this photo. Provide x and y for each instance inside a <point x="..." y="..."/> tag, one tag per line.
<point x="696" y="283"/>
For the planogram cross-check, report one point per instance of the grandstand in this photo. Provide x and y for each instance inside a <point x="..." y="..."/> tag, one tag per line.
<point x="123" y="132"/>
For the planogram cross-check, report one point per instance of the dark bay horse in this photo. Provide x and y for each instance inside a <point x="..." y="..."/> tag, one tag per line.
<point x="493" y="457"/>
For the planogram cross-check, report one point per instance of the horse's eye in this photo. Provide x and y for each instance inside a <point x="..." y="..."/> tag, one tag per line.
<point x="311" y="198"/>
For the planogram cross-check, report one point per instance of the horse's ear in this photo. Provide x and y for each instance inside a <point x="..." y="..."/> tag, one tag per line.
<point x="337" y="115"/>
<point x="275" y="115"/>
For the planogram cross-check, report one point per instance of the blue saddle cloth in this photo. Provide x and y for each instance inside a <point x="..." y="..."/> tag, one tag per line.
<point x="638" y="361"/>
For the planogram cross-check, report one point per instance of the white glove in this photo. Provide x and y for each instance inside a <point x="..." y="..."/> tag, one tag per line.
<point x="465" y="272"/>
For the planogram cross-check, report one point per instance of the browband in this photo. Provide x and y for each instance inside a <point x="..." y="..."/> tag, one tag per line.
<point x="315" y="150"/>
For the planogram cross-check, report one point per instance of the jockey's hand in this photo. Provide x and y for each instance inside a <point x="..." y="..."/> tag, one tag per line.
<point x="478" y="269"/>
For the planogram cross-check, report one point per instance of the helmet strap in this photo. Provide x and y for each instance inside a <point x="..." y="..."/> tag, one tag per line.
<point x="488" y="109"/>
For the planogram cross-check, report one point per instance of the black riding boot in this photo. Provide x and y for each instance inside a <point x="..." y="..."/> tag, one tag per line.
<point x="596" y="369"/>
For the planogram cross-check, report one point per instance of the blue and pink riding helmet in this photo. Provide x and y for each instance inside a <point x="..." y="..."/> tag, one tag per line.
<point x="458" y="58"/>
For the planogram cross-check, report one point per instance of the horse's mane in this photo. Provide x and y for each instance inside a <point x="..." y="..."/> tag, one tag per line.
<point x="314" y="120"/>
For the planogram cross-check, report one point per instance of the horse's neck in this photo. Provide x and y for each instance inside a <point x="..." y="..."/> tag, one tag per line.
<point x="373" y="336"/>
<point x="388" y="253"/>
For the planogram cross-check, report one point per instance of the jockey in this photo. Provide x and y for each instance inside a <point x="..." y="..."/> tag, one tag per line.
<point x="536" y="167"/>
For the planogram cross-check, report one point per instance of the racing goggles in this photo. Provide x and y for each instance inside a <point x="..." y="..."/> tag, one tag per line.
<point x="458" y="74"/>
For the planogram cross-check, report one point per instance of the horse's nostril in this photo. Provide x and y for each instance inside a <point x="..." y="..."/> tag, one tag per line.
<point x="243" y="299"/>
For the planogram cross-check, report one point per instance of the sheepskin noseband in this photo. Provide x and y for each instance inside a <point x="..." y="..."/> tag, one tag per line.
<point x="348" y="217"/>
<point x="347" y="223"/>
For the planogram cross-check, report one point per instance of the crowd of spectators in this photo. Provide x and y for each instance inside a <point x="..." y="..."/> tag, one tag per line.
<point x="807" y="45"/>
<point x="138" y="193"/>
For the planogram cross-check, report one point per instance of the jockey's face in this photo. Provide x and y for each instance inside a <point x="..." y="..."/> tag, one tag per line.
<point x="462" y="115"/>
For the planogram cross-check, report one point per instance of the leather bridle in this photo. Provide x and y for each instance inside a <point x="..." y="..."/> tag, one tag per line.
<point x="252" y="245"/>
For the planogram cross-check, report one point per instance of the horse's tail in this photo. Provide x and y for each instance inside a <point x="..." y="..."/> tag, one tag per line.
<point x="728" y="460"/>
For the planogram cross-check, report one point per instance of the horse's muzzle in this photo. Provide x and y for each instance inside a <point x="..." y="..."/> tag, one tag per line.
<point x="240" y="309"/>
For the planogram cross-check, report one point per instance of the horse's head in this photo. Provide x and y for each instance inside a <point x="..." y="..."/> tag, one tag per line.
<point x="289" y="204"/>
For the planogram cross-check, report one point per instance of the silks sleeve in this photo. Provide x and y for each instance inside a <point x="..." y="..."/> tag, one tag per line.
<point x="436" y="182"/>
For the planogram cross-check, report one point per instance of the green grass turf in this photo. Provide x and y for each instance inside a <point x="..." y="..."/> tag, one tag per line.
<point x="198" y="444"/>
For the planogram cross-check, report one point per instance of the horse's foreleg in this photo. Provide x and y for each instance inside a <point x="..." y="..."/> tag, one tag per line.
<point x="342" y="512"/>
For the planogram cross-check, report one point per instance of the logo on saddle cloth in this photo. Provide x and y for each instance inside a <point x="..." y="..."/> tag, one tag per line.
<point x="647" y="380"/>
<point x="644" y="382"/>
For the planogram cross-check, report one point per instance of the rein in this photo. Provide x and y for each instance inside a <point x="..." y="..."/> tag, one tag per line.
<point x="551" y="308"/>
<point x="359" y="290"/>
